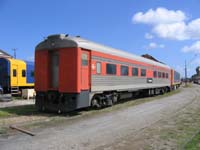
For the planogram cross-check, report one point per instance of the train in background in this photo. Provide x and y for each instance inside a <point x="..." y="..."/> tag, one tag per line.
<point x="16" y="75"/>
<point x="73" y="73"/>
<point x="196" y="77"/>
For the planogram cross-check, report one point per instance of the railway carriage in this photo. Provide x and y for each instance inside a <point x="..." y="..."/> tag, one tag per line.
<point x="72" y="73"/>
<point x="16" y="75"/>
<point x="176" y="79"/>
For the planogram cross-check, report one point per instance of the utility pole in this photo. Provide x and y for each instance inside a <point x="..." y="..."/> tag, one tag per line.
<point x="185" y="72"/>
<point x="14" y="49"/>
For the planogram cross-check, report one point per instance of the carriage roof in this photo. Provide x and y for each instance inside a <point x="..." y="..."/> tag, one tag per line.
<point x="62" y="41"/>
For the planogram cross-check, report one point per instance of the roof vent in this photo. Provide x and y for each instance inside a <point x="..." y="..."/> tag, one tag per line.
<point x="55" y="36"/>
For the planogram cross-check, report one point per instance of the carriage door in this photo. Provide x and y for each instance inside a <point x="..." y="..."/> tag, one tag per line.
<point x="14" y="77"/>
<point x="85" y="60"/>
<point x="54" y="68"/>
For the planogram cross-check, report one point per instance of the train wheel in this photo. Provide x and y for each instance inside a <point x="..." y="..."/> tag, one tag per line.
<point x="96" y="102"/>
<point x="168" y="89"/>
<point x="109" y="102"/>
<point x="114" y="98"/>
<point x="162" y="91"/>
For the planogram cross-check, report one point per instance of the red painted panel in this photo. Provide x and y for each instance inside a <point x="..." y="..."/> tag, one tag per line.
<point x="139" y="72"/>
<point x="149" y="73"/>
<point x="103" y="65"/>
<point x="41" y="70"/>
<point x="93" y="67"/>
<point x="118" y="73"/>
<point x="130" y="71"/>
<point x="69" y="70"/>
<point x="109" y="56"/>
<point x="172" y="77"/>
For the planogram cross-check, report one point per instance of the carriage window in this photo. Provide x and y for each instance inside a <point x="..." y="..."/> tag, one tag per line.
<point x="155" y="74"/>
<point x="159" y="74"/>
<point x="32" y="73"/>
<point x="98" y="68"/>
<point x="134" y="71"/>
<point x="124" y="70"/>
<point x="143" y="72"/>
<point x="111" y="69"/>
<point x="84" y="59"/>
<point x="14" y="72"/>
<point x="163" y="75"/>
<point x="23" y="73"/>
<point x="166" y="75"/>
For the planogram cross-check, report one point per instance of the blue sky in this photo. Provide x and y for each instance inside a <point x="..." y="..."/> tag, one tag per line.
<point x="168" y="30"/>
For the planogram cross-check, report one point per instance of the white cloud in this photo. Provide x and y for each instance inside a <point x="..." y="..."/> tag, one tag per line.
<point x="159" y="16"/>
<point x="174" y="31"/>
<point x="179" y="30"/>
<point x="153" y="45"/>
<point x="169" y="24"/>
<point x="148" y="36"/>
<point x="193" y="29"/>
<point x="195" y="47"/>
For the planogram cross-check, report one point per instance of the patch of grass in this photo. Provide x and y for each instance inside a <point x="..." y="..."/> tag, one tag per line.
<point x="183" y="130"/>
<point x="187" y="85"/>
<point x="148" y="148"/>
<point x="4" y="114"/>
<point x="17" y="111"/>
<point x="177" y="130"/>
<point x="194" y="144"/>
<point x="168" y="135"/>
<point x="3" y="130"/>
<point x="16" y="97"/>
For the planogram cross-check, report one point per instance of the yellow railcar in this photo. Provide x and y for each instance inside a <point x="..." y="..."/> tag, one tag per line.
<point x="15" y="73"/>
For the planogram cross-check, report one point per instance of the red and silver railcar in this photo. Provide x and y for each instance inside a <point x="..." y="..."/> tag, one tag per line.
<point x="72" y="73"/>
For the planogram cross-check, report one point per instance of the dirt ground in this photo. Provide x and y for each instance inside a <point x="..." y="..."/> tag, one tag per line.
<point x="20" y="102"/>
<point x="158" y="124"/>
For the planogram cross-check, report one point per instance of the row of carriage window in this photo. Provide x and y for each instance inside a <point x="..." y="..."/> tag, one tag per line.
<point x="23" y="73"/>
<point x="124" y="70"/>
